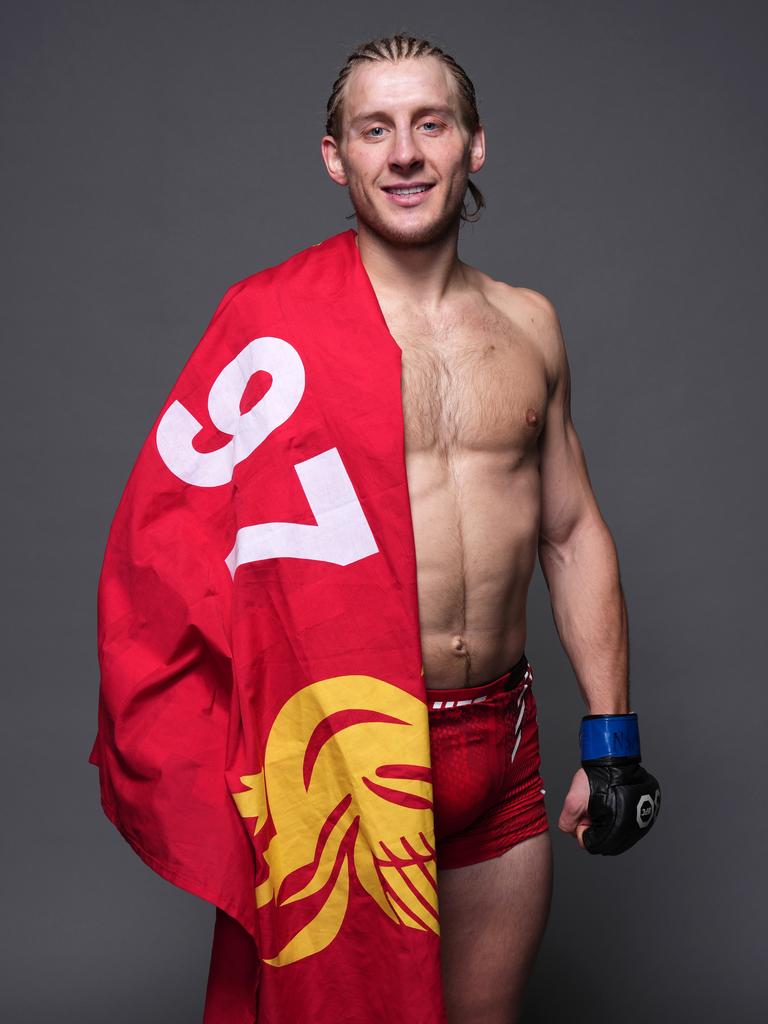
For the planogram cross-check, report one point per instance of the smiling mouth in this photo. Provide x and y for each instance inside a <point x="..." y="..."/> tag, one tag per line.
<point x="406" y="190"/>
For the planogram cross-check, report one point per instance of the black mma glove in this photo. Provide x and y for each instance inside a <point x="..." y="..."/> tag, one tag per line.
<point x="624" y="799"/>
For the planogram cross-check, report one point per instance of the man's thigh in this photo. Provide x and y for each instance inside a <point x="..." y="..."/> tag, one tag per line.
<point x="492" y="918"/>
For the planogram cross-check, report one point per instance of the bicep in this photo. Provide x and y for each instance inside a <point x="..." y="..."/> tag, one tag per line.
<point x="567" y="498"/>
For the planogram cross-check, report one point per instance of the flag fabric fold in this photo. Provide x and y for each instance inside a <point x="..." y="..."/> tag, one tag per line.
<point x="263" y="737"/>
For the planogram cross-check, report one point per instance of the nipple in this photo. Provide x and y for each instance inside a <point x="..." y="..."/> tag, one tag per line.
<point x="531" y="417"/>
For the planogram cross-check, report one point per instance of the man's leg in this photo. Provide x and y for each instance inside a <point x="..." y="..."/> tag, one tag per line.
<point x="492" y="918"/>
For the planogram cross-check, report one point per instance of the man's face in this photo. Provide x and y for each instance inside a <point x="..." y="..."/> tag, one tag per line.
<point x="404" y="152"/>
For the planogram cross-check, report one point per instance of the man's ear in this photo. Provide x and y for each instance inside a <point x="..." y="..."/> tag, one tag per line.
<point x="477" y="150"/>
<point x="332" y="160"/>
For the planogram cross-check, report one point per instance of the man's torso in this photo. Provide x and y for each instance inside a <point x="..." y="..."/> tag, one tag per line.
<point x="475" y="393"/>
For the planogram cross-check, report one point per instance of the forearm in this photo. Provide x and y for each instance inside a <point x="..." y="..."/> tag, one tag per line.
<point x="588" y="607"/>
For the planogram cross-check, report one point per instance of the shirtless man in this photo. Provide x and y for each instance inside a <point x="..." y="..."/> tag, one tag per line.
<point x="496" y="475"/>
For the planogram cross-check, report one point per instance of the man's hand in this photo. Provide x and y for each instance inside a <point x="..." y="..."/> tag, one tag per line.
<point x="574" y="818"/>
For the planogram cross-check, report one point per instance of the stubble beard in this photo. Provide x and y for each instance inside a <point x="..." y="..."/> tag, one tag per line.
<point x="425" y="234"/>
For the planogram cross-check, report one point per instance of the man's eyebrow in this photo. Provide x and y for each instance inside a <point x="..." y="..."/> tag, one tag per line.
<point x="436" y="109"/>
<point x="382" y="115"/>
<point x="370" y="115"/>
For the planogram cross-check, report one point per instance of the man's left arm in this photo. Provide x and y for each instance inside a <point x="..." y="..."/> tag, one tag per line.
<point x="580" y="565"/>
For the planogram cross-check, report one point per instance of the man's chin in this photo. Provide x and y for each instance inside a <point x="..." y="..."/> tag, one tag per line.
<point x="407" y="232"/>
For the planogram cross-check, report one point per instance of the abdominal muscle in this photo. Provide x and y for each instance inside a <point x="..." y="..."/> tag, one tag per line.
<point x="476" y="524"/>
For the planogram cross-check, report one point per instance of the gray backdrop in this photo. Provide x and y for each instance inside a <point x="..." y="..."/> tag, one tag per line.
<point x="156" y="153"/>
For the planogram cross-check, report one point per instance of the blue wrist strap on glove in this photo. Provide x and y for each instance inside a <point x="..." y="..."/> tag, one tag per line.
<point x="609" y="736"/>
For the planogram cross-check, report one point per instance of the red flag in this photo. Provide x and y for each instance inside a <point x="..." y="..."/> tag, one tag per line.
<point x="263" y="734"/>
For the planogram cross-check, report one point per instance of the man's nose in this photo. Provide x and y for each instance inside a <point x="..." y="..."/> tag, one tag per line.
<point x="406" y="152"/>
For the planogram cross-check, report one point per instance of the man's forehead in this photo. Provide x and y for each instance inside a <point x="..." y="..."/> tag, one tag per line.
<point x="415" y="82"/>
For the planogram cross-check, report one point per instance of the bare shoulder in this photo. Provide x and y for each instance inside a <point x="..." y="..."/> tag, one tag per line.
<point x="532" y="313"/>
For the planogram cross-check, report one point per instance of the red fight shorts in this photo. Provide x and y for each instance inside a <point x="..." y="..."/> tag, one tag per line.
<point x="487" y="791"/>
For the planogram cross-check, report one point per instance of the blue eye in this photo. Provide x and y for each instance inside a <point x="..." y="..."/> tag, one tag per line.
<point x="372" y="130"/>
<point x="430" y="124"/>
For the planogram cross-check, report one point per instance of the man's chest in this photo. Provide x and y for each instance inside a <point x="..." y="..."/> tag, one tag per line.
<point x="472" y="384"/>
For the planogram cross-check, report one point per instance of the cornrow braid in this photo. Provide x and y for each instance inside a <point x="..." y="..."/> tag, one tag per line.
<point x="403" y="47"/>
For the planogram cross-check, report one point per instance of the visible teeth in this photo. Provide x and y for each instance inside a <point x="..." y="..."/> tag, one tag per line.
<point x="407" y="191"/>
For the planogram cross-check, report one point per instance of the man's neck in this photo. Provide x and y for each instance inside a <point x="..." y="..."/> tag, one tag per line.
<point x="419" y="275"/>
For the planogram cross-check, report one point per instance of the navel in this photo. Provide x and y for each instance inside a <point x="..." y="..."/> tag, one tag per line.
<point x="459" y="645"/>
